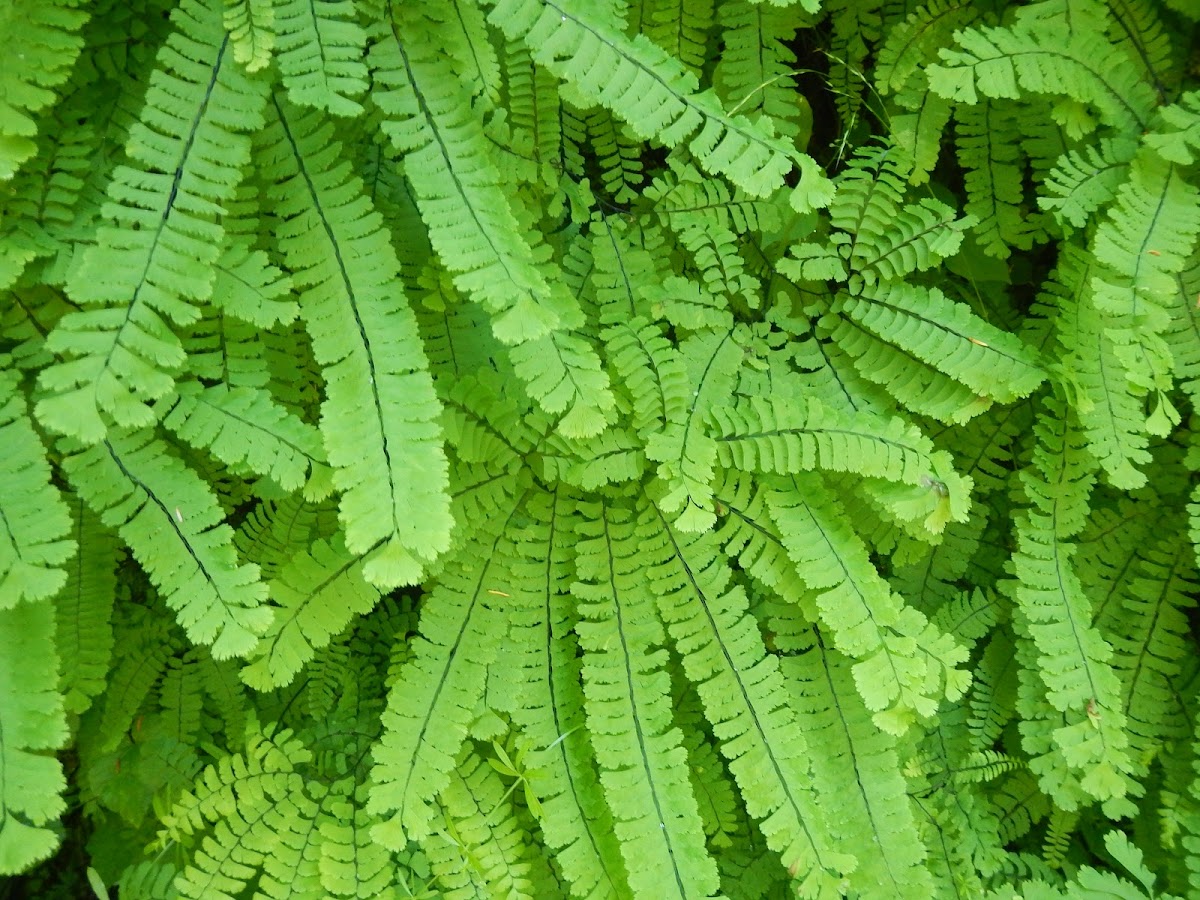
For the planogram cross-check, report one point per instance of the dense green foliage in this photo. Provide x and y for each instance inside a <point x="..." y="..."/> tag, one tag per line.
<point x="599" y="448"/>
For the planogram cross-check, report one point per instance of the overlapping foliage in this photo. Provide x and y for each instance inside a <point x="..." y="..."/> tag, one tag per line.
<point x="545" y="448"/>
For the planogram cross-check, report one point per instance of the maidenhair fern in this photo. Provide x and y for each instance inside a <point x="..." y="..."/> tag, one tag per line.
<point x="599" y="448"/>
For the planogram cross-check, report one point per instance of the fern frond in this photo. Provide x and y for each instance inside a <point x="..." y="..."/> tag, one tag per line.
<point x="993" y="697"/>
<point x="1147" y="633"/>
<point x="154" y="256"/>
<point x="316" y="594"/>
<point x="905" y="665"/>
<point x="249" y="287"/>
<point x="856" y="773"/>
<point x="651" y="371"/>
<point x="779" y="437"/>
<point x="1083" y="740"/>
<point x="999" y="62"/>
<point x="1086" y="179"/>
<point x="245" y="427"/>
<point x="546" y="699"/>
<point x="754" y="71"/>
<point x="242" y="808"/>
<point x="743" y="697"/>
<point x="33" y="725"/>
<point x="1177" y="139"/>
<point x="655" y="95"/>
<point x="386" y="451"/>
<point x="913" y="44"/>
<point x="989" y="149"/>
<point x="251" y="27"/>
<point x="435" y="696"/>
<point x="350" y="862"/>
<point x="462" y="31"/>
<point x="684" y="450"/>
<point x="923" y="322"/>
<point x="43" y="44"/>
<point x="627" y="701"/>
<point x="1112" y="418"/>
<point x="319" y="51"/>
<point x="171" y="520"/>
<point x="35" y="525"/>
<point x="456" y="183"/>
<point x="1146" y="239"/>
<point x="483" y="835"/>
<point x="84" y="608"/>
<point x="680" y="27"/>
<point x="1183" y="335"/>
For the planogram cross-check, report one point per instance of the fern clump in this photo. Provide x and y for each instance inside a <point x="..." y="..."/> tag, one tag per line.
<point x="582" y="448"/>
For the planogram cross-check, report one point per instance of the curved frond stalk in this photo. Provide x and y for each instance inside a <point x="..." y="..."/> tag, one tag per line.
<point x="32" y="726"/>
<point x="743" y="697"/>
<point x="35" y="525"/>
<point x="154" y="256"/>
<point x="42" y="44"/>
<point x="171" y="521"/>
<point x="380" y="414"/>
<point x="628" y="705"/>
